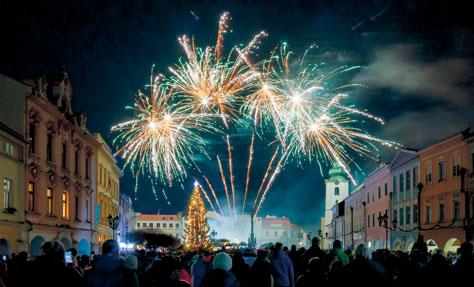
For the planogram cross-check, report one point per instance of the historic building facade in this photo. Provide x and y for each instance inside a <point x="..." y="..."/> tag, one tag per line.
<point x="108" y="189"/>
<point x="443" y="203"/>
<point x="126" y="217"/>
<point x="355" y="217"/>
<point x="404" y="208"/>
<point x="12" y="165"/>
<point x="170" y="224"/>
<point x="60" y="188"/>
<point x="377" y="196"/>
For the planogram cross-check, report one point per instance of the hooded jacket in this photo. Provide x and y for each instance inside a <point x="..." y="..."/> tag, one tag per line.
<point x="283" y="273"/>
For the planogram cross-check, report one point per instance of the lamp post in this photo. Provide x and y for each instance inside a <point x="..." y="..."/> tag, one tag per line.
<point x="383" y="222"/>
<point x="113" y="223"/>
<point x="252" y="239"/>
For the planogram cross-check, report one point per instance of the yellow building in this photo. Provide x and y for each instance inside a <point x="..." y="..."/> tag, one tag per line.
<point x="108" y="179"/>
<point x="12" y="165"/>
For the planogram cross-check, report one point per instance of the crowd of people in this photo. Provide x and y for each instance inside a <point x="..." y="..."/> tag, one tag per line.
<point x="276" y="266"/>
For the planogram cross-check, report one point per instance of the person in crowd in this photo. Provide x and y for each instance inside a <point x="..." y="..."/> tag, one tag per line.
<point x="261" y="271"/>
<point x="283" y="270"/>
<point x="362" y="267"/>
<point x="463" y="269"/>
<point x="130" y="270"/>
<point x="109" y="268"/>
<point x="339" y="254"/>
<point x="240" y="269"/>
<point x="220" y="275"/>
<point x="50" y="268"/>
<point x="200" y="268"/>
<point x="315" y="251"/>
<point x="164" y="272"/>
<point x="314" y="275"/>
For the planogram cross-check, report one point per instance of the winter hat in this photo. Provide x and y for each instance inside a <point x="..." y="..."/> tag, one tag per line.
<point x="131" y="262"/>
<point x="223" y="261"/>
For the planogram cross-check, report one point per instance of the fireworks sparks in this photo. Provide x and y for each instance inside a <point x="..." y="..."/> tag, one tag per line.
<point x="210" y="83"/>
<point x="162" y="136"/>
<point x="300" y="104"/>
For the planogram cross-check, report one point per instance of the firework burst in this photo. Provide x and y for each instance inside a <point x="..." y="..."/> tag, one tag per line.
<point x="210" y="83"/>
<point x="163" y="135"/>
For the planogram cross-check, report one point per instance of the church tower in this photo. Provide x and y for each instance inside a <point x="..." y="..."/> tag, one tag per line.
<point x="337" y="189"/>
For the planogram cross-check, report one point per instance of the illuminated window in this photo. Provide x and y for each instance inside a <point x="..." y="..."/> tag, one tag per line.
<point x="65" y="204"/>
<point x="336" y="191"/>
<point x="49" y="196"/>
<point x="31" y="196"/>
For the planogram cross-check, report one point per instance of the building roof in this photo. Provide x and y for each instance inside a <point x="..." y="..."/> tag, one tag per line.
<point x="158" y="217"/>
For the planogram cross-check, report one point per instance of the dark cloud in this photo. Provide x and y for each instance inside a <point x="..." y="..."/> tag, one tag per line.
<point x="400" y="68"/>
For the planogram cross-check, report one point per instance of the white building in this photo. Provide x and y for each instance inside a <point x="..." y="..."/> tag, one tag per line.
<point x="337" y="189"/>
<point x="126" y="217"/>
<point x="170" y="224"/>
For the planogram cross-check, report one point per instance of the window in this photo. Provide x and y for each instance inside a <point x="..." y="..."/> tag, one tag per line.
<point x="276" y="233"/>
<point x="10" y="149"/>
<point x="428" y="176"/>
<point x="394" y="184"/>
<point x="144" y="224"/>
<point x="401" y="216"/>
<point x="441" y="171"/>
<point x="158" y="225"/>
<point x="368" y="221"/>
<point x="151" y="224"/>
<point x="49" y="197"/>
<point x="337" y="202"/>
<point x="65" y="204"/>
<point x="87" y="211"/>
<point x="87" y="166"/>
<point x="267" y="234"/>
<point x="336" y="191"/>
<point x="31" y="196"/>
<point x="407" y="180"/>
<point x="64" y="156"/>
<point x="373" y="219"/>
<point x="177" y="225"/>
<point x="415" y="176"/>
<point x="407" y="214"/>
<point x="395" y="214"/>
<point x="368" y="197"/>
<point x="415" y="213"/>
<point x="138" y="224"/>
<point x="49" y="147"/>
<point x="165" y="225"/>
<point x="428" y="214"/>
<point x="456" y="165"/>
<point x="76" y="162"/>
<point x="76" y="207"/>
<point x="441" y="212"/>
<point x="32" y="137"/>
<point x="7" y="193"/>
<point x="456" y="211"/>
<point x="386" y="189"/>
<point x="379" y="193"/>
<point x="400" y="177"/>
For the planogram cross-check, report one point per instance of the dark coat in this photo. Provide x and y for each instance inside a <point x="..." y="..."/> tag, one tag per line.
<point x="220" y="278"/>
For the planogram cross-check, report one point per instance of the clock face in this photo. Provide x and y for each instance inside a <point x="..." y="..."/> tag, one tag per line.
<point x="336" y="182"/>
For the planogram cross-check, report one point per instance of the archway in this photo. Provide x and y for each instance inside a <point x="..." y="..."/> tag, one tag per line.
<point x="67" y="244"/>
<point x="83" y="248"/>
<point x="432" y="245"/>
<point x="409" y="246"/>
<point x="35" y="246"/>
<point x="398" y="246"/>
<point x="452" y="246"/>
<point x="5" y="247"/>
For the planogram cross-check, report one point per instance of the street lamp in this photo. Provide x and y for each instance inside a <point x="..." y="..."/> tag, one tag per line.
<point x="113" y="223"/>
<point x="383" y="222"/>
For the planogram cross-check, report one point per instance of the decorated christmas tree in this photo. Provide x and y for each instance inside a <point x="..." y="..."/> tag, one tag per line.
<point x="197" y="230"/>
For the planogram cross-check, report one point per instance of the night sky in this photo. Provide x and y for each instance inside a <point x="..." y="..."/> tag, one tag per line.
<point x="417" y="58"/>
